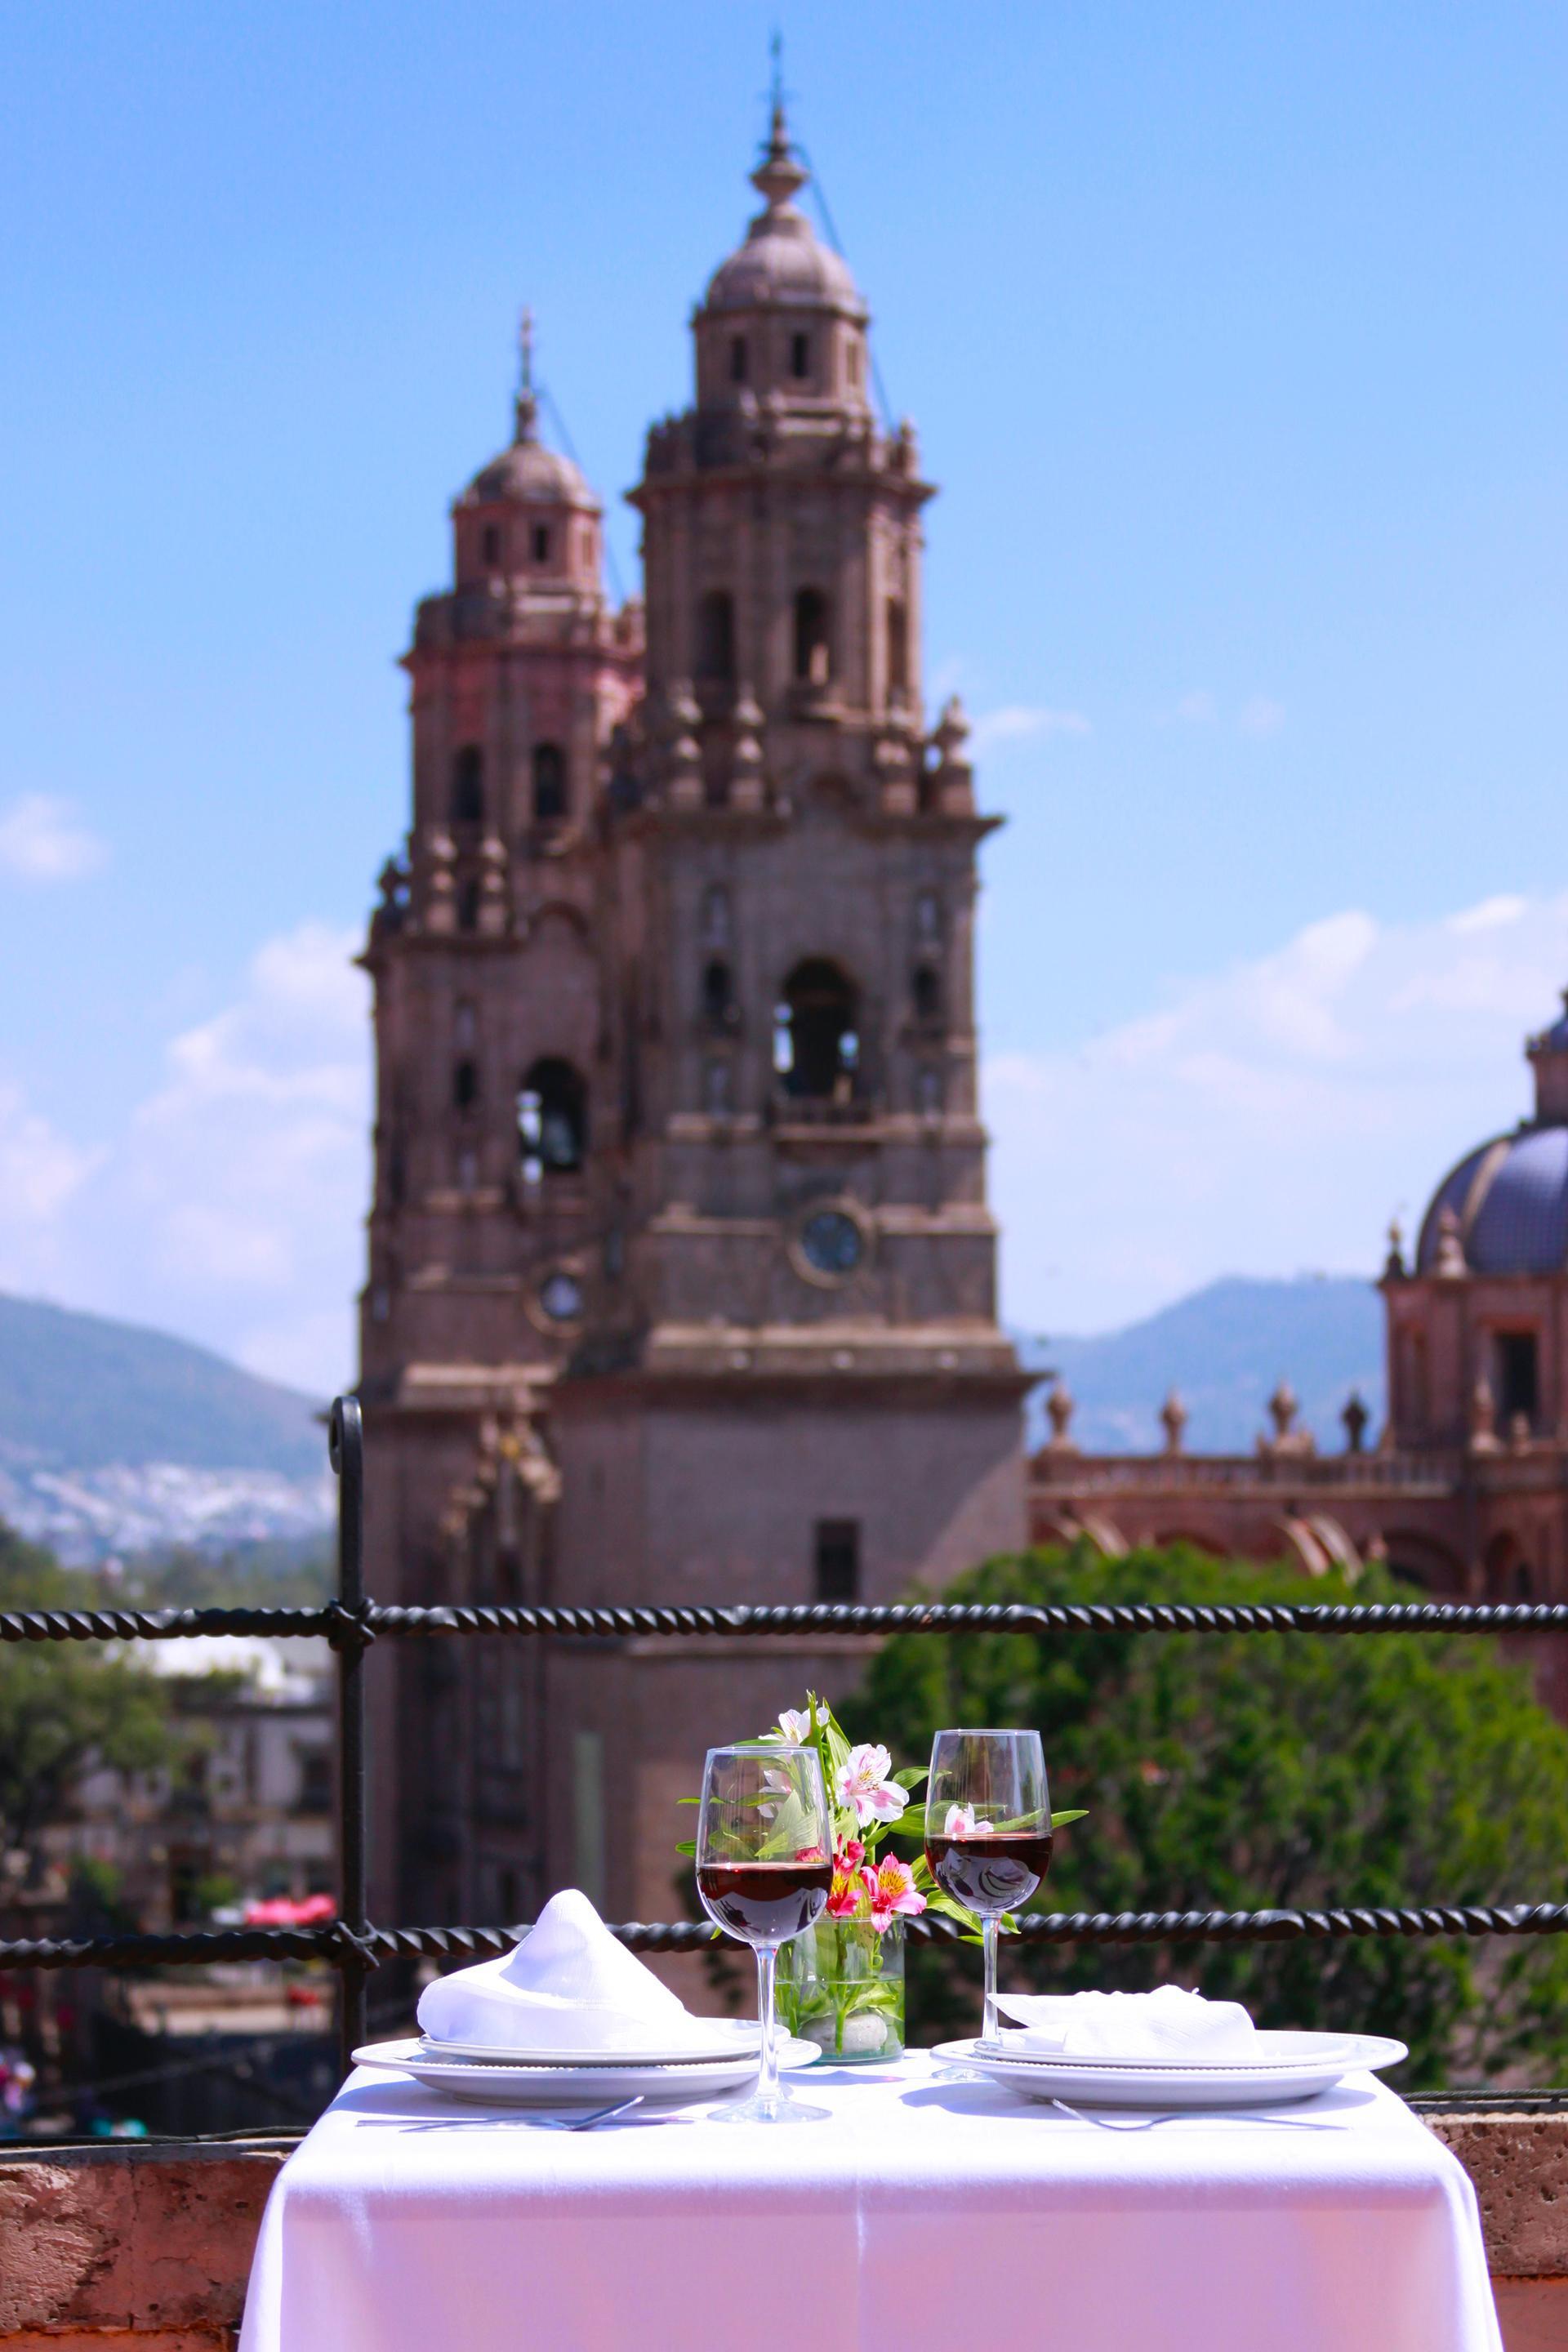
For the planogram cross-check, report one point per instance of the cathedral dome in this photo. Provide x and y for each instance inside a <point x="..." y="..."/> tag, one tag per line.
<point x="783" y="262"/>
<point x="1505" y="1203"/>
<point x="528" y="474"/>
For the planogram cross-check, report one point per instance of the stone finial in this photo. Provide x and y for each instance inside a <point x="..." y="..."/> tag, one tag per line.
<point x="683" y="759"/>
<point x="526" y="406"/>
<point x="1060" y="1408"/>
<point x="1283" y="1407"/>
<point x="780" y="174"/>
<point x="1519" y="1433"/>
<point x="1173" y="1421"/>
<point x="953" y="775"/>
<point x="1449" y="1262"/>
<point x="1355" y="1416"/>
<point x="440" y="886"/>
<point x="492" y="888"/>
<point x="746" y="756"/>
<point x="1393" y="1264"/>
<point x="1483" y="1436"/>
<point x="898" y="792"/>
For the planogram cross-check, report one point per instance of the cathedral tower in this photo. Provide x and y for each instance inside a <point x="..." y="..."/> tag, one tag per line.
<point x="791" y="1384"/>
<point x="681" y="1272"/>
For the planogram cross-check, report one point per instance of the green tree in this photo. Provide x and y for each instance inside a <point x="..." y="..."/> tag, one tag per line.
<point x="1241" y="1771"/>
<point x="64" y="1706"/>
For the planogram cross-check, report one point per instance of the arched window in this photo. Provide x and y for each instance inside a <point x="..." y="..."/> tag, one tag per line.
<point x="468" y="784"/>
<point x="468" y="907"/>
<point x="719" y="1007"/>
<point x="816" y="1041"/>
<point x="897" y="646"/>
<point x="800" y="356"/>
<point x="716" y="915"/>
<point x="737" y="359"/>
<point x="551" y="1120"/>
<point x="716" y="638"/>
<point x="541" y="542"/>
<point x="490" y="545"/>
<point x="926" y="992"/>
<point x="812" y="660"/>
<point x="549" y="783"/>
<point x="466" y="1085"/>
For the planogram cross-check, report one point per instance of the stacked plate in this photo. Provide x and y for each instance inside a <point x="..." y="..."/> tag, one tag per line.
<point x="584" y="2078"/>
<point x="1279" y="2066"/>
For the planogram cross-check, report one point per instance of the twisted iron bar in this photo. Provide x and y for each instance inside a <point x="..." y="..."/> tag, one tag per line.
<point x="337" y="1945"/>
<point x="354" y="1628"/>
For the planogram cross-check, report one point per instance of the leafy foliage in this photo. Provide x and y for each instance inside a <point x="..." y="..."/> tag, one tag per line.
<point x="64" y="1705"/>
<point x="1251" y="1770"/>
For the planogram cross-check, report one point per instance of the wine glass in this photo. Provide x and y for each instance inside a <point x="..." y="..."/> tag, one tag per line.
<point x="988" y="1830"/>
<point x="764" y="1871"/>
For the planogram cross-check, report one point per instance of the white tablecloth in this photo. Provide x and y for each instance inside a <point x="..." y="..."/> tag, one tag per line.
<point x="929" y="2211"/>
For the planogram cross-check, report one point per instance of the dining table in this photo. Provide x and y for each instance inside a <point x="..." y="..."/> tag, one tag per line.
<point x="929" y="2208"/>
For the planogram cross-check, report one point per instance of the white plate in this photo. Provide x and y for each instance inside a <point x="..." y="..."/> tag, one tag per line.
<point x="736" y="2038"/>
<point x="565" y="2086"/>
<point x="1311" y="2062"/>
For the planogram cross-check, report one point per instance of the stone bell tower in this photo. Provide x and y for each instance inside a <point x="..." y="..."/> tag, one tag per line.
<point x="790" y="1384"/>
<point x="493" y="1145"/>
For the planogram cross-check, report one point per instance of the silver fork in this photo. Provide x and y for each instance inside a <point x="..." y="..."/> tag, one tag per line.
<point x="586" y="2123"/>
<point x="1209" y="2114"/>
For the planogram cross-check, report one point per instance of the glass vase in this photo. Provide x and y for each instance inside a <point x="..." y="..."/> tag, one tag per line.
<point x="841" y="1985"/>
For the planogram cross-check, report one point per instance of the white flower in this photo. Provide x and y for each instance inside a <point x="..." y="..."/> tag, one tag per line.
<point x="863" y="1782"/>
<point x="960" y="1823"/>
<point x="795" y="1725"/>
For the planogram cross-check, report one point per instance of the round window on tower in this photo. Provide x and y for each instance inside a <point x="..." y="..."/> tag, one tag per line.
<point x="561" y="1296"/>
<point x="828" y="1246"/>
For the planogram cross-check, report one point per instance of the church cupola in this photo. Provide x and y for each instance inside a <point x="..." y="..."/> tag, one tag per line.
<point x="528" y="517"/>
<point x="782" y="322"/>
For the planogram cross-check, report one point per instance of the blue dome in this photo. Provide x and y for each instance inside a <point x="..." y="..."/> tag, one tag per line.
<point x="1511" y="1198"/>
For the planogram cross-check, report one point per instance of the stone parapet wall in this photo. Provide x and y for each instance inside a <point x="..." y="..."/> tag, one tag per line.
<point x="148" y="2246"/>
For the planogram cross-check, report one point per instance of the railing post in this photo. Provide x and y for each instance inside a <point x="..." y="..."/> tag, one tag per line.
<point x="347" y="1448"/>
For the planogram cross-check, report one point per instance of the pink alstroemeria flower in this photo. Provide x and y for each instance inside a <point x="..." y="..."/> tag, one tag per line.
<point x="863" y="1782"/>
<point x="890" y="1888"/>
<point x="845" y="1899"/>
<point x="795" y="1725"/>
<point x="848" y="1855"/>
<point x="960" y="1823"/>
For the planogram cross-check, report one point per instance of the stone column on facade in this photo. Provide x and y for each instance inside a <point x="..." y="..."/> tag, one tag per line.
<point x="746" y="780"/>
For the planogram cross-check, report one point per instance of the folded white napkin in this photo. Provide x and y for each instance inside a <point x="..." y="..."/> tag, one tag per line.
<point x="569" y="1985"/>
<point x="1168" y="2023"/>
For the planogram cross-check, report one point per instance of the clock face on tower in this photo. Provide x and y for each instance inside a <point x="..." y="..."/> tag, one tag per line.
<point x="832" y="1242"/>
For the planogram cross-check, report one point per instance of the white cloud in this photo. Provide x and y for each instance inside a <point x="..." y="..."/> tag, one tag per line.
<point x="1272" y="1115"/>
<point x="1195" y="710"/>
<point x="1016" y="720"/>
<point x="231" y="1207"/>
<point x="43" y="840"/>
<point x="1260" y="716"/>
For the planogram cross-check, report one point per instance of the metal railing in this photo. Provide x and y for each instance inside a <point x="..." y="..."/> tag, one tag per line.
<point x="351" y="1622"/>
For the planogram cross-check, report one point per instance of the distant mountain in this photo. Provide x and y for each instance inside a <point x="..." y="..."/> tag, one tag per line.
<point x="116" y="1438"/>
<point x="1223" y="1349"/>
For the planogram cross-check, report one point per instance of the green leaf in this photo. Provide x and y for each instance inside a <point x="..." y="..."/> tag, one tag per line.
<point x="1059" y="1820"/>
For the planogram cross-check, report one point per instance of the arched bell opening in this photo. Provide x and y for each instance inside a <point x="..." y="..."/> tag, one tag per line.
<point x="551" y="1120"/>
<point x="816" y="1031"/>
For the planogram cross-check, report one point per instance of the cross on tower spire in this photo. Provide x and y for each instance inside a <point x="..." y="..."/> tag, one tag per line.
<point x="780" y="173"/>
<point x="527" y="399"/>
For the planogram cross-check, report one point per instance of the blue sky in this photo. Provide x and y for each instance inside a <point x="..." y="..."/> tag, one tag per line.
<point x="1236" y="338"/>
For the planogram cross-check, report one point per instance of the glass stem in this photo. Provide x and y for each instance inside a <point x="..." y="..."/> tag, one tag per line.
<point x="989" y="1931"/>
<point x="767" y="1965"/>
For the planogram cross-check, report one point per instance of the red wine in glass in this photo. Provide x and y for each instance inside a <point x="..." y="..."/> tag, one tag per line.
<point x="990" y="1874"/>
<point x="765" y="1902"/>
<point x="988" y="1832"/>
